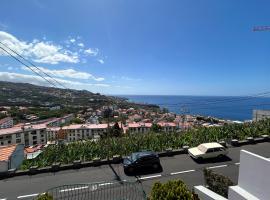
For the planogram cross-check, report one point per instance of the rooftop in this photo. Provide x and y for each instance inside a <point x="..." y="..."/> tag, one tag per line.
<point x="5" y="120"/>
<point x="6" y="152"/>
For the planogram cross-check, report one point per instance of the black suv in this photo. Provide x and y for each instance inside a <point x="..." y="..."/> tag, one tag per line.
<point x="140" y="160"/>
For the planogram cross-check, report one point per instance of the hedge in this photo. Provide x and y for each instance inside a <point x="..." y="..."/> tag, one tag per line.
<point x="217" y="183"/>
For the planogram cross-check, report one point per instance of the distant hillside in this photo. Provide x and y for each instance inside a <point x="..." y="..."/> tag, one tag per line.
<point x="25" y="94"/>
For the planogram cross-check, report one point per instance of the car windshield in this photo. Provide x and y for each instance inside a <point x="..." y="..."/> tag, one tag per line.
<point x="134" y="156"/>
<point x="202" y="148"/>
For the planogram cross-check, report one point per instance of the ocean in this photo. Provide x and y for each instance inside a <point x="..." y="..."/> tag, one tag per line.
<point x="232" y="108"/>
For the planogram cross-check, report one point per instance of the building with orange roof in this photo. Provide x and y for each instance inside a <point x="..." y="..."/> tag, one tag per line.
<point x="6" y="122"/>
<point x="11" y="157"/>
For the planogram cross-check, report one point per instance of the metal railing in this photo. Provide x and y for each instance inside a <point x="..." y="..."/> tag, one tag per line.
<point x="115" y="190"/>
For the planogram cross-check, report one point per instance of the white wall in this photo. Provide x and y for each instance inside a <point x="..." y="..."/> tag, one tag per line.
<point x="3" y="166"/>
<point x="254" y="175"/>
<point x="206" y="194"/>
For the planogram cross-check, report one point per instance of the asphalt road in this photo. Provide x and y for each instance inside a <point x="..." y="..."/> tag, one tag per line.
<point x="176" y="167"/>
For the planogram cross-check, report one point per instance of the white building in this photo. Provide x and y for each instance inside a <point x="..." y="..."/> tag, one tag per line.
<point x="260" y="114"/>
<point x="253" y="180"/>
<point x="6" y="122"/>
<point x="28" y="135"/>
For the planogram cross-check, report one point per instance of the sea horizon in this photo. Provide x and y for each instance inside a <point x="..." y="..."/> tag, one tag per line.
<point x="223" y="107"/>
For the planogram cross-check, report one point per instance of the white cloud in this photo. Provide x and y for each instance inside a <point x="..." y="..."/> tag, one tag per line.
<point x="101" y="61"/>
<point x="91" y="51"/>
<point x="126" y="78"/>
<point x="66" y="73"/>
<point x="72" y="40"/>
<point x="81" y="44"/>
<point x="33" y="79"/>
<point x="39" y="51"/>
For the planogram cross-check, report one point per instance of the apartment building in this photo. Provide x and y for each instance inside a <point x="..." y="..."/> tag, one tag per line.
<point x="260" y="115"/>
<point x="83" y="131"/>
<point x="145" y="127"/>
<point x="6" y="122"/>
<point x="27" y="134"/>
<point x="34" y="134"/>
<point x="167" y="126"/>
<point x="139" y="127"/>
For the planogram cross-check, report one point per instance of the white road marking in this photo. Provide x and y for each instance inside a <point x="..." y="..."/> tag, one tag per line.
<point x="29" y="195"/>
<point x="102" y="184"/>
<point x="149" y="177"/>
<point x="238" y="163"/>
<point x="182" y="172"/>
<point x="218" y="166"/>
<point x="72" y="189"/>
<point x="4" y="199"/>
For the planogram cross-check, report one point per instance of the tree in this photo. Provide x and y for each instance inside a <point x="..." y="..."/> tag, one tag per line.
<point x="76" y="121"/>
<point x="115" y="130"/>
<point x="171" y="190"/>
<point x="156" y="128"/>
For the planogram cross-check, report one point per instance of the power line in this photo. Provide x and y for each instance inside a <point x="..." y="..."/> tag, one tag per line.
<point x="33" y="65"/>
<point x="227" y="100"/>
<point x="27" y="66"/>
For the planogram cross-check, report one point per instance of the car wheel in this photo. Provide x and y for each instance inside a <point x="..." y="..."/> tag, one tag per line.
<point x="130" y="169"/>
<point x="200" y="159"/>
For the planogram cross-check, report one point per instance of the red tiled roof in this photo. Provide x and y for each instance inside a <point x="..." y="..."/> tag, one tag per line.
<point x="6" y="152"/>
<point x="5" y="120"/>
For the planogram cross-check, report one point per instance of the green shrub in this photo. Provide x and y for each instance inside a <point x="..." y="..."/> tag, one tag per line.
<point x="45" y="196"/>
<point x="217" y="182"/>
<point x="172" y="190"/>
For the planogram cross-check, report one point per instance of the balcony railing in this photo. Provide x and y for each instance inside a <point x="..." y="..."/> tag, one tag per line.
<point x="113" y="190"/>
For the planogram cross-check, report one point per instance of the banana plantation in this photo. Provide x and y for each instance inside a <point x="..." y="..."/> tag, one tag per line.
<point x="107" y="147"/>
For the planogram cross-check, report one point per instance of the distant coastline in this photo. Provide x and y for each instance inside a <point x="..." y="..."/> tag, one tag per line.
<point x="224" y="107"/>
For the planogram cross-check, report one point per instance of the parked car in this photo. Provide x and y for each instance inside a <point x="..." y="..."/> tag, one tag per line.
<point x="141" y="160"/>
<point x="207" y="150"/>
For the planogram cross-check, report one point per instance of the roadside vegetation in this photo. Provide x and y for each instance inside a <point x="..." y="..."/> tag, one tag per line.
<point x="171" y="190"/>
<point x="217" y="183"/>
<point x="118" y="144"/>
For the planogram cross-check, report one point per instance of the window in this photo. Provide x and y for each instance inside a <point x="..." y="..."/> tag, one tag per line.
<point x="210" y="150"/>
<point x="41" y="135"/>
<point x="34" y="137"/>
<point x="18" y="135"/>
<point x="2" y="143"/>
<point x="18" y="140"/>
<point x="9" y="142"/>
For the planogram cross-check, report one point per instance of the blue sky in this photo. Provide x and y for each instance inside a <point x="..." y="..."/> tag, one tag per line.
<point x="176" y="47"/>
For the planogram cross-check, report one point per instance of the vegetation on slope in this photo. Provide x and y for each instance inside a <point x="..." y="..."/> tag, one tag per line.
<point x="109" y="146"/>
